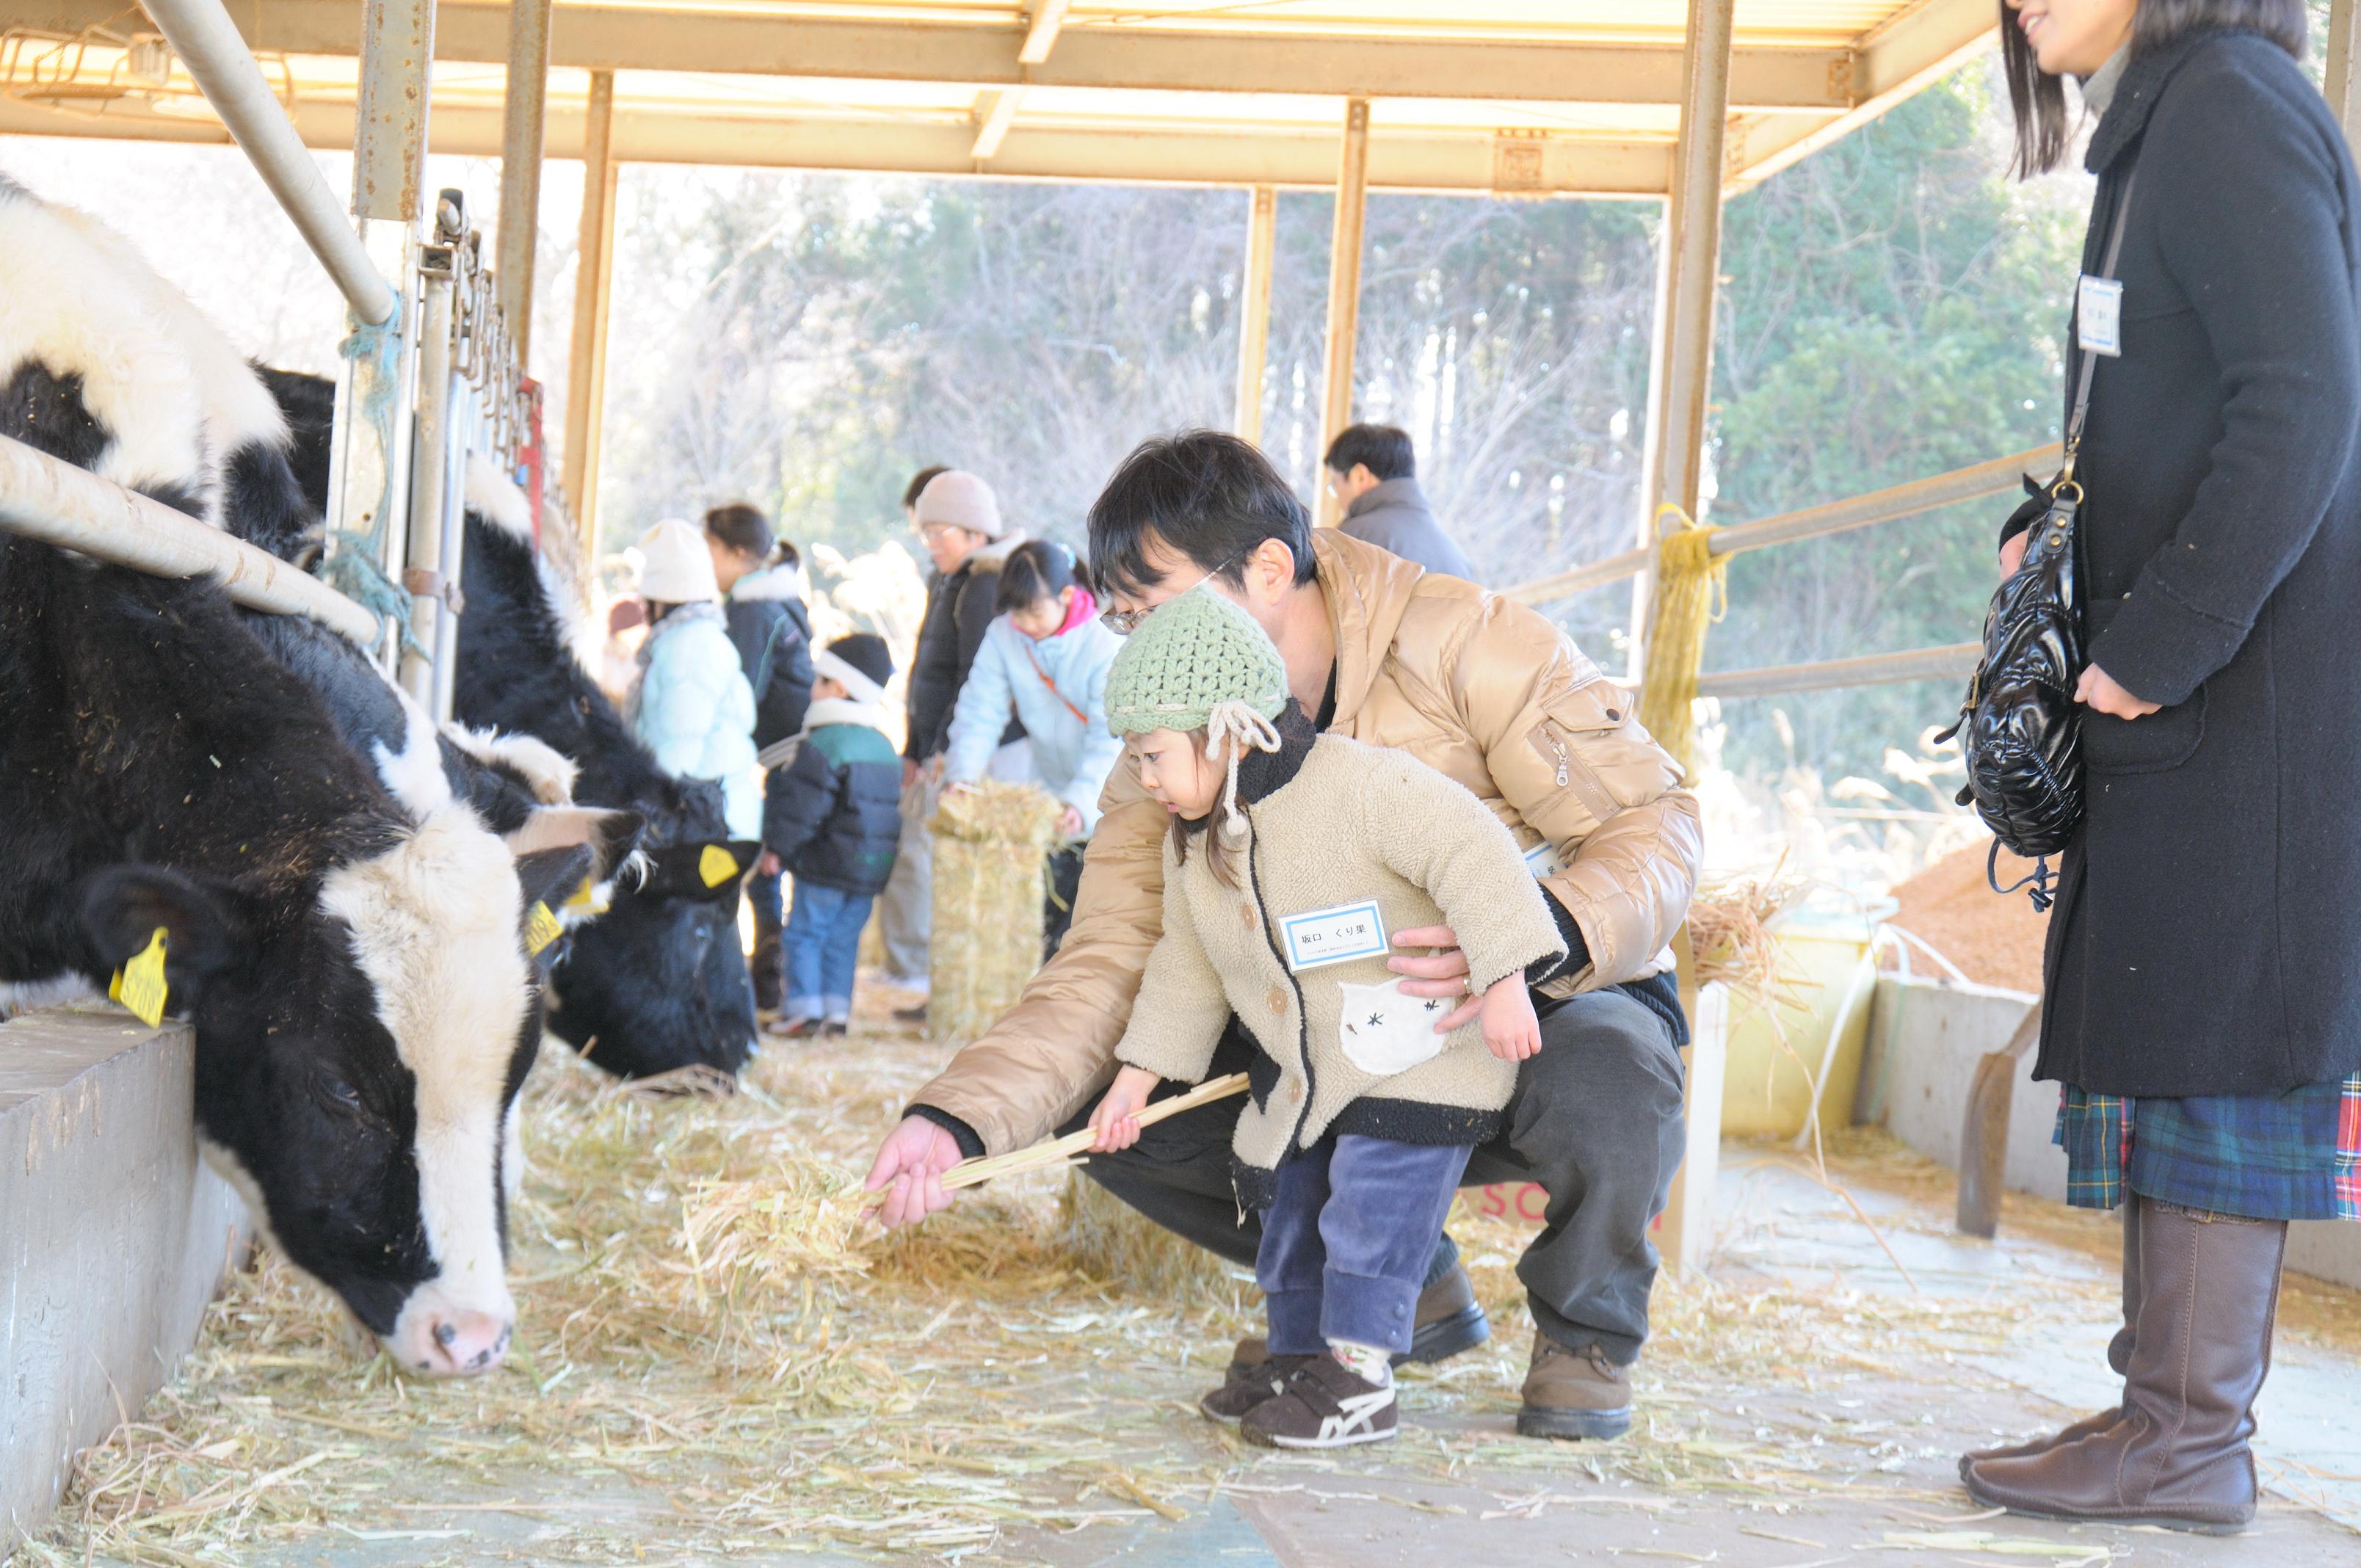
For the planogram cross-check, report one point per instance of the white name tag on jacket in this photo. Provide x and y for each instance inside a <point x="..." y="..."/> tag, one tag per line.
<point x="2099" y="315"/>
<point x="1544" y="860"/>
<point x="1333" y="936"/>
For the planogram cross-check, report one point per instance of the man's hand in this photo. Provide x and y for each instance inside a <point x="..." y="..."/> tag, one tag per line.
<point x="2012" y="555"/>
<point x="909" y="772"/>
<point x="1441" y="973"/>
<point x="2099" y="690"/>
<point x="910" y="1172"/>
<point x="768" y="865"/>
<point x="1512" y="1031"/>
<point x="1115" y="1119"/>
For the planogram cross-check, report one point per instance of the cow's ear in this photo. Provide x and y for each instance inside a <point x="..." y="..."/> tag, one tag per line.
<point x="545" y="879"/>
<point x="550" y="876"/>
<point x="123" y="907"/>
<point x="611" y="835"/>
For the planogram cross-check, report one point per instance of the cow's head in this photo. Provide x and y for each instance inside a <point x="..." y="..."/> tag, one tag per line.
<point x="659" y="980"/>
<point x="359" y="1052"/>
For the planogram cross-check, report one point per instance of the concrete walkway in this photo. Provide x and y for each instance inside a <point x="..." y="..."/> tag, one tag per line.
<point x="1892" y="1419"/>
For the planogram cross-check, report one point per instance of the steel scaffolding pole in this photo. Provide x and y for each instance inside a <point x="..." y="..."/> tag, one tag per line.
<point x="521" y="118"/>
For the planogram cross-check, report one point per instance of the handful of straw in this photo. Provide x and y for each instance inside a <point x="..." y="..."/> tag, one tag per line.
<point x="1069" y="1149"/>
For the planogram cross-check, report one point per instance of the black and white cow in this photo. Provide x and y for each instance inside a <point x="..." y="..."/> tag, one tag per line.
<point x="344" y="924"/>
<point x="659" y="982"/>
<point x="356" y="974"/>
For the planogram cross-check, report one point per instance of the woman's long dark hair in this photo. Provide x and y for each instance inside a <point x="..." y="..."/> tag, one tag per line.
<point x="1260" y="772"/>
<point x="2038" y="100"/>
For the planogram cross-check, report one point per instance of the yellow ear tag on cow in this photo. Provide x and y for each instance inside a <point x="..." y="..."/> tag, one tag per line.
<point x="584" y="897"/>
<point x="716" y="865"/>
<point x="139" y="984"/>
<point x="541" y="928"/>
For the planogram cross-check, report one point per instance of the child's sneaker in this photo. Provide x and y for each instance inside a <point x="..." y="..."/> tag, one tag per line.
<point x="796" y="1028"/>
<point x="836" y="1028"/>
<point x="1249" y="1382"/>
<point x="1325" y="1405"/>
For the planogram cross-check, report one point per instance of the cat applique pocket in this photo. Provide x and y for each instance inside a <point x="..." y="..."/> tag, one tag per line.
<point x="1384" y="1032"/>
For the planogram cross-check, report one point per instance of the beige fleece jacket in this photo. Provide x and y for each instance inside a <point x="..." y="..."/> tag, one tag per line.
<point x="1345" y="1049"/>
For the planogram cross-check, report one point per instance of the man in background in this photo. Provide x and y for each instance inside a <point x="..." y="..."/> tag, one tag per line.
<point x="1373" y="472"/>
<point x="959" y="519"/>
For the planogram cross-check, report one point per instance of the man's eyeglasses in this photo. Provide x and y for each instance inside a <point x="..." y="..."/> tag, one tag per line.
<point x="1124" y="622"/>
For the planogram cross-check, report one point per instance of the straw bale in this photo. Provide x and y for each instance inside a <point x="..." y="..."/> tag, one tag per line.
<point x="991" y="842"/>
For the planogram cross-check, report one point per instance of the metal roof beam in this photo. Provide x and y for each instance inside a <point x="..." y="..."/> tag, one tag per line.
<point x="619" y="38"/>
<point x="1041" y="31"/>
<point x="1463" y="165"/>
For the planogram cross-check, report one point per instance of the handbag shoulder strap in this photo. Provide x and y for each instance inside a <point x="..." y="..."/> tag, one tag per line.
<point x="2090" y="360"/>
<point x="1079" y="717"/>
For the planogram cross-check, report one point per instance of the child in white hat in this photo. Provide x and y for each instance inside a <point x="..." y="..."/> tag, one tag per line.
<point x="692" y="706"/>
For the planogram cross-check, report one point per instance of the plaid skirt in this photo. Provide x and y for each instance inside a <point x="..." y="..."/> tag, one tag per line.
<point x="2262" y="1156"/>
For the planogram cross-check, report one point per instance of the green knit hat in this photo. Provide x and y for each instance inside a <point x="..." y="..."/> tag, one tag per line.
<point x="1195" y="653"/>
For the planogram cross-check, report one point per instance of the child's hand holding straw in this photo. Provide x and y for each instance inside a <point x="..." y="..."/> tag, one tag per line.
<point x="1115" y="1120"/>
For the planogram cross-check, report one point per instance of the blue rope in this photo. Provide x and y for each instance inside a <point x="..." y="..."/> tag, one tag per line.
<point x="353" y="563"/>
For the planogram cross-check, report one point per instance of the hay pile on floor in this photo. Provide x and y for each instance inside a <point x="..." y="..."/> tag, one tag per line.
<point x="1109" y="1241"/>
<point x="990" y="846"/>
<point x="709" y="1361"/>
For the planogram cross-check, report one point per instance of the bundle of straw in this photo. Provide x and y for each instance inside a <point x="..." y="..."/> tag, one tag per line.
<point x="1730" y="932"/>
<point x="991" y="841"/>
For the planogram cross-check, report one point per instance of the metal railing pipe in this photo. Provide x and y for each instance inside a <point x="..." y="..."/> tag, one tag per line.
<point x="1902" y="501"/>
<point x="209" y="44"/>
<point x="1597" y="574"/>
<point x="1957" y="661"/>
<point x="44" y="499"/>
<point x="1995" y="477"/>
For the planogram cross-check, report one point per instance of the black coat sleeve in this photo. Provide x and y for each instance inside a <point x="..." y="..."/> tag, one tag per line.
<point x="799" y="799"/>
<point x="2251" y="194"/>
<point x="780" y="706"/>
<point x="935" y="671"/>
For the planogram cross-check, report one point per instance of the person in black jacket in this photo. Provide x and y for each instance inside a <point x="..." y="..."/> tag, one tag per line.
<point x="959" y="519"/>
<point x="761" y="583"/>
<point x="831" y="820"/>
<point x="2201" y="989"/>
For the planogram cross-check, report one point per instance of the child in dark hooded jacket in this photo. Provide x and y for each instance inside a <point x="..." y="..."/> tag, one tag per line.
<point x="831" y="820"/>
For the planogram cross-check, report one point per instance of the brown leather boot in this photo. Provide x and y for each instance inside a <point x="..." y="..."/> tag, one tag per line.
<point x="1447" y="1321"/>
<point x="2119" y="1356"/>
<point x="1574" y="1393"/>
<point x="2209" y="1301"/>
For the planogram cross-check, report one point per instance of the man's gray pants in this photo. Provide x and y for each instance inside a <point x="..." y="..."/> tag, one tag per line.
<point x="1596" y="1121"/>
<point x="906" y="912"/>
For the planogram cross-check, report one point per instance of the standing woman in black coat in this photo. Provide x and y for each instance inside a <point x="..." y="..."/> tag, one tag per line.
<point x="2202" y="983"/>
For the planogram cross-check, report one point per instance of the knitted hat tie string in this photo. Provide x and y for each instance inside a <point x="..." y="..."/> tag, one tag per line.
<point x="1236" y="721"/>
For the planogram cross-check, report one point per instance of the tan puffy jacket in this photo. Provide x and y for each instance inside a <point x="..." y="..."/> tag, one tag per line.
<point x="1477" y="686"/>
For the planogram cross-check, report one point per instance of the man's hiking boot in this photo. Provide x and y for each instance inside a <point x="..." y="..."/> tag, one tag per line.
<point x="1574" y="1393"/>
<point x="1324" y="1405"/>
<point x="1249" y="1381"/>
<point x="1448" y="1320"/>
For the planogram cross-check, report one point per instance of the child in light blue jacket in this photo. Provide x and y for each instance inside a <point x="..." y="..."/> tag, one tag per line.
<point x="692" y="706"/>
<point x="1044" y="660"/>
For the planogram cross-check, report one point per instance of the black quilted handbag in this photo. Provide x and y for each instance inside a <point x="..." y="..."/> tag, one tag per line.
<point x="2020" y="728"/>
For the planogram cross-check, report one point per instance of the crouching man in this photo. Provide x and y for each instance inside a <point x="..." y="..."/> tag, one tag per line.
<point x="1491" y="694"/>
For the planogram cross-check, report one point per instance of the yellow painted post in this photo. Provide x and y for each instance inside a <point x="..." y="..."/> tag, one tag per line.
<point x="1673" y="644"/>
<point x="1253" y="310"/>
<point x="2343" y="82"/>
<point x="1344" y="283"/>
<point x="594" y="279"/>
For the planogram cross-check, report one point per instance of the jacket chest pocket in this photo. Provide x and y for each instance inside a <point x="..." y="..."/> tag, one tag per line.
<point x="1561" y="740"/>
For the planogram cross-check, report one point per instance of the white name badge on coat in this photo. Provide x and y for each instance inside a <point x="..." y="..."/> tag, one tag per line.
<point x="1333" y="936"/>
<point x="1543" y="861"/>
<point x="2099" y="315"/>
